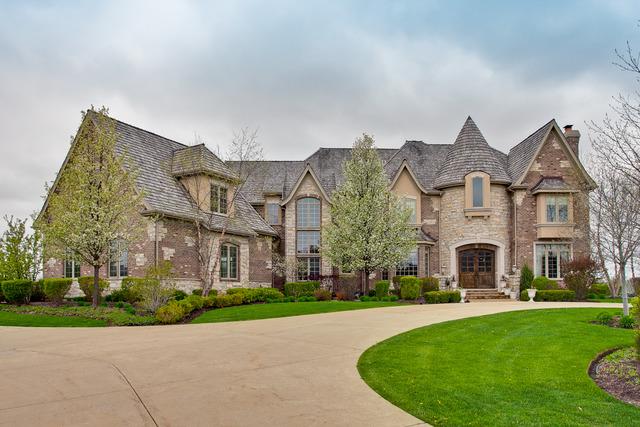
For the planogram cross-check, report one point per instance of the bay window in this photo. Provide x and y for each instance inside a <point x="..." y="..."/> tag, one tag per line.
<point x="557" y="208"/>
<point x="409" y="267"/>
<point x="550" y="258"/>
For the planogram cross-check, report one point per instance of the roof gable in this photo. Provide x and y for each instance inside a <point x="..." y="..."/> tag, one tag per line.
<point x="308" y="170"/>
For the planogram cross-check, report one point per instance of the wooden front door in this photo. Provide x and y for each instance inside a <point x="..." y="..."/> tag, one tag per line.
<point x="476" y="268"/>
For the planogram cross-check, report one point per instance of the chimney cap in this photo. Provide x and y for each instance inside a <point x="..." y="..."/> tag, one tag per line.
<point x="567" y="127"/>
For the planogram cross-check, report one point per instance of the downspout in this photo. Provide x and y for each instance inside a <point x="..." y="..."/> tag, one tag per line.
<point x="515" y="230"/>
<point x="156" y="242"/>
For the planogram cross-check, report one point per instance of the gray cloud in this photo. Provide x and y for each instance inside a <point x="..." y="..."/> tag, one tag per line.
<point x="308" y="74"/>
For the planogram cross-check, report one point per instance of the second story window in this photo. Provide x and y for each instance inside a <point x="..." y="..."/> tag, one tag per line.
<point x="308" y="237"/>
<point x="308" y="213"/>
<point x="218" y="199"/>
<point x="411" y="204"/>
<point x="557" y="208"/>
<point x="477" y="188"/>
<point x="272" y="213"/>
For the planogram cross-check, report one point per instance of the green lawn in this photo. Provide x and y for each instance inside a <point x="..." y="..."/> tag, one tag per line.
<point x="17" y="319"/>
<point x="268" y="311"/>
<point x="517" y="368"/>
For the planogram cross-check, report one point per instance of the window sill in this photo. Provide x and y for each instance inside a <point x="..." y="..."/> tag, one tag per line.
<point x="555" y="230"/>
<point x="479" y="212"/>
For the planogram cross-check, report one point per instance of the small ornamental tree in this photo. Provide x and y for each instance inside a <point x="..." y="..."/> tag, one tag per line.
<point x="526" y="277"/>
<point x="94" y="201"/>
<point x="369" y="227"/>
<point x="20" y="252"/>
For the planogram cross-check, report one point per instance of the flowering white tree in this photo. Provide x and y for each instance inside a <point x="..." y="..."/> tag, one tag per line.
<point x="94" y="201"/>
<point x="369" y="227"/>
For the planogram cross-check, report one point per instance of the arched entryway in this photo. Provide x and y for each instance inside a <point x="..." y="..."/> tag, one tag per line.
<point x="477" y="266"/>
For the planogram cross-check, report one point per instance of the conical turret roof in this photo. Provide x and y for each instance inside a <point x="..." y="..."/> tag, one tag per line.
<point x="471" y="152"/>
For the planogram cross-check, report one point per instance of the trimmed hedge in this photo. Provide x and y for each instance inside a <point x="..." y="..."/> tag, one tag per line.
<point x="86" y="286"/>
<point x="600" y="289"/>
<point x="429" y="284"/>
<point x="382" y="288"/>
<point x="251" y="295"/>
<point x="37" y="291"/>
<point x="409" y="288"/>
<point x="299" y="289"/>
<point x="555" y="295"/>
<point x="17" y="291"/>
<point x="56" y="289"/>
<point x="542" y="283"/>
<point x="441" y="297"/>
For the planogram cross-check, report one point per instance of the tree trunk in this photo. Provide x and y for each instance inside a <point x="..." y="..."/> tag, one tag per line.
<point x="366" y="281"/>
<point x="96" y="285"/>
<point x="623" y="289"/>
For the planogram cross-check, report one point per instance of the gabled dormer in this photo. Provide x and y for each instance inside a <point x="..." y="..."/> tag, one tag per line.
<point x="209" y="182"/>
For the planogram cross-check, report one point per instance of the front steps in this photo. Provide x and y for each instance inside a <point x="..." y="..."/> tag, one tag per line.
<point x="479" y="294"/>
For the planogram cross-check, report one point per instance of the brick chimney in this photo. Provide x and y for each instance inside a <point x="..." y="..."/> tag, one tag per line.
<point x="573" y="138"/>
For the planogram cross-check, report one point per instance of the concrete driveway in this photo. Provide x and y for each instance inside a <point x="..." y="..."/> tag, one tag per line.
<point x="289" y="371"/>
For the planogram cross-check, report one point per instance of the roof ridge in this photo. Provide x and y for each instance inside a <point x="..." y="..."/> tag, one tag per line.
<point x="152" y="133"/>
<point x="532" y="133"/>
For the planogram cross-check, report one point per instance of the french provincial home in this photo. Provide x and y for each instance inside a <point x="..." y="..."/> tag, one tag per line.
<point x="479" y="214"/>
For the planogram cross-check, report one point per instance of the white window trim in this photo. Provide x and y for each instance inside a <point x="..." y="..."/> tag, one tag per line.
<point x="535" y="256"/>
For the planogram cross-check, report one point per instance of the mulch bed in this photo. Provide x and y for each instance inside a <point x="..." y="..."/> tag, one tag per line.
<point x="617" y="371"/>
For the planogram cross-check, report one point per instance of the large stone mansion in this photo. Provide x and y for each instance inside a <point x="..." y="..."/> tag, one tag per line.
<point x="479" y="214"/>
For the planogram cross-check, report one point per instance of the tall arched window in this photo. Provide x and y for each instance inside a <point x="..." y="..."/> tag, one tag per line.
<point x="308" y="237"/>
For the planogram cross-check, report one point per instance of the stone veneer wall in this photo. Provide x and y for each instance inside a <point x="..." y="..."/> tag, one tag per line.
<point x="455" y="227"/>
<point x="430" y="215"/>
<point x="176" y="243"/>
<point x="553" y="160"/>
<point x="307" y="188"/>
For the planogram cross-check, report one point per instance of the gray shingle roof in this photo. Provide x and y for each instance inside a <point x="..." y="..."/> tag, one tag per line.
<point x="470" y="152"/>
<point x="199" y="159"/>
<point x="552" y="183"/>
<point x="152" y="155"/>
<point x="520" y="156"/>
<point x="268" y="177"/>
<point x="423" y="159"/>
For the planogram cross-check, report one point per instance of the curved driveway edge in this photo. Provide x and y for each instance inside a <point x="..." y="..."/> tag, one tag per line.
<point x="297" y="371"/>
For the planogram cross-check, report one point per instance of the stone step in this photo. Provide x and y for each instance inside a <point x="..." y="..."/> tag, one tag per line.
<point x="485" y="294"/>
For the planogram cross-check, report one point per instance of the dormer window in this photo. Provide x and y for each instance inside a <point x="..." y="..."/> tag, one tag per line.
<point x="218" y="199"/>
<point x="411" y="204"/>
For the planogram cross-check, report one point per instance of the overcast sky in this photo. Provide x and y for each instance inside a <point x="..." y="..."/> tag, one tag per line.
<point x="307" y="74"/>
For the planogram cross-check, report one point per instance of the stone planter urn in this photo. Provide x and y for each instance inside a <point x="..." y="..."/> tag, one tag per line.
<point x="513" y="295"/>
<point x="463" y="295"/>
<point x="532" y="294"/>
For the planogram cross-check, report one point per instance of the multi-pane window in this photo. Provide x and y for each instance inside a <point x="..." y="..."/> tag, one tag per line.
<point x="118" y="259"/>
<point x="427" y="262"/>
<point x="218" y="199"/>
<point x="308" y="237"/>
<point x="557" y="208"/>
<point x="385" y="274"/>
<point x="410" y="266"/>
<point x="411" y="204"/>
<point x="272" y="212"/>
<point x="229" y="262"/>
<point x="310" y="268"/>
<point x="477" y="185"/>
<point x="71" y="266"/>
<point x="549" y="259"/>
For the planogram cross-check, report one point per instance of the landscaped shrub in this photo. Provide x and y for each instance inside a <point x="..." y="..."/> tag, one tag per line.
<point x="441" y="297"/>
<point x="365" y="298"/>
<point x="221" y="301"/>
<point x="526" y="277"/>
<point x="179" y="294"/>
<point x="371" y="292"/>
<point x="395" y="280"/>
<point x="604" y="318"/>
<point x="409" y="288"/>
<point x="341" y="296"/>
<point x="251" y="295"/>
<point x="1" y="294"/>
<point x="86" y="286"/>
<point x="128" y="291"/>
<point x="172" y="312"/>
<point x="542" y="283"/>
<point x="600" y="290"/>
<point x="382" y="288"/>
<point x="429" y="284"/>
<point x="580" y="274"/>
<point x="298" y="289"/>
<point x="197" y="291"/>
<point x="196" y="301"/>
<point x="56" y="289"/>
<point x="17" y="291"/>
<point x="306" y="299"/>
<point x="322" y="295"/>
<point x="627" y="322"/>
<point x="37" y="291"/>
<point x="555" y="295"/>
